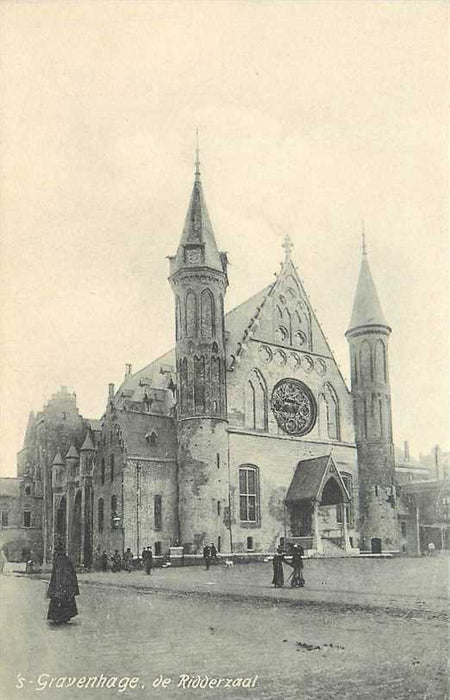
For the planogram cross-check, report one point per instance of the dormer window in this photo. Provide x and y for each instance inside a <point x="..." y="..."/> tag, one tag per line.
<point x="151" y="438"/>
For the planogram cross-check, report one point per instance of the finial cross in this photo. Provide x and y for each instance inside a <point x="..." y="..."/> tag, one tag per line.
<point x="364" y="247"/>
<point x="287" y="245"/>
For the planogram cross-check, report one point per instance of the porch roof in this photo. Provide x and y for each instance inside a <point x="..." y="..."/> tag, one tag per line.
<point x="307" y="479"/>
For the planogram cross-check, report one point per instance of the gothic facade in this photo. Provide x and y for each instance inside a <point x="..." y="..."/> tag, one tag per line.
<point x="245" y="434"/>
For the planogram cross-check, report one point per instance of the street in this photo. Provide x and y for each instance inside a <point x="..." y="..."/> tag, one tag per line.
<point x="168" y="640"/>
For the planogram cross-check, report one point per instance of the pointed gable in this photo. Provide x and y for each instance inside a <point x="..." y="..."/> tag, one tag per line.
<point x="367" y="309"/>
<point x="310" y="478"/>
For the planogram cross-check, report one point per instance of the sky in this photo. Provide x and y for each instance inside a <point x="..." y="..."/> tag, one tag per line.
<point x="313" y="116"/>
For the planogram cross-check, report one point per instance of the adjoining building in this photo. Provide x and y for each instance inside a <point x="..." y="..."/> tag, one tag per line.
<point x="245" y="434"/>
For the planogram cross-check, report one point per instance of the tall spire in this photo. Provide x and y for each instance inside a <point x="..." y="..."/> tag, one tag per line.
<point x="197" y="158"/>
<point x="198" y="245"/>
<point x="367" y="309"/>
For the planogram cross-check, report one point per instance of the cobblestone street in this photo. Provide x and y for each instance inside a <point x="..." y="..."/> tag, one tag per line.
<point x="316" y="651"/>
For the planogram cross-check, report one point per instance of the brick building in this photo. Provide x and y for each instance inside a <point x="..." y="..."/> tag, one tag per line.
<point x="244" y="434"/>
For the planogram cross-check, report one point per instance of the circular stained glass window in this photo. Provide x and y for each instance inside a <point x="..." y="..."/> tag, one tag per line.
<point x="294" y="407"/>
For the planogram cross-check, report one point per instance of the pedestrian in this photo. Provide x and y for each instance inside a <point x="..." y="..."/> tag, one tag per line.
<point x="278" y="573"/>
<point x="116" y="561"/>
<point x="148" y="562"/>
<point x="431" y="548"/>
<point x="98" y="559"/>
<point x="207" y="556"/>
<point x="213" y="551"/>
<point x="297" y="580"/>
<point x="3" y="560"/>
<point x="128" y="560"/>
<point x="104" y="561"/>
<point x="62" y="589"/>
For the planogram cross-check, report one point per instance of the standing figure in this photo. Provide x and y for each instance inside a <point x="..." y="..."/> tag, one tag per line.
<point x="62" y="589"/>
<point x="297" y="580"/>
<point x="148" y="560"/>
<point x="3" y="560"/>
<point x="116" y="561"/>
<point x="213" y="552"/>
<point x="104" y="561"/>
<point x="128" y="560"/>
<point x="278" y="573"/>
<point x="207" y="556"/>
<point x="98" y="559"/>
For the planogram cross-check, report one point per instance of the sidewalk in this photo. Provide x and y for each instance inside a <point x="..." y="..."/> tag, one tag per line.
<point x="401" y="587"/>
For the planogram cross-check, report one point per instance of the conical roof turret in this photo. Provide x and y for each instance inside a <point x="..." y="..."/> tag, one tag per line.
<point x="87" y="445"/>
<point x="72" y="453"/>
<point x="198" y="247"/>
<point x="367" y="309"/>
<point x="58" y="461"/>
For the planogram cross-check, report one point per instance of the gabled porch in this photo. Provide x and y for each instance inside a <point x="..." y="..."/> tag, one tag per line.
<point x="317" y="504"/>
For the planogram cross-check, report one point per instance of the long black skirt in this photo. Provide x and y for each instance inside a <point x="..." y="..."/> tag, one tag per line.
<point x="62" y="609"/>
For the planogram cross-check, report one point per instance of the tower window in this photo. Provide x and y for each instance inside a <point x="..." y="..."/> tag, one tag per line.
<point x="218" y="507"/>
<point x="151" y="438"/>
<point x="4" y="518"/>
<point x="101" y="515"/>
<point x="27" y="490"/>
<point x="27" y="518"/>
<point x="112" y="467"/>
<point x="218" y="460"/>
<point x="102" y="471"/>
<point x="248" y="494"/>
<point x="114" y="516"/>
<point x="157" y="512"/>
<point x="403" y="526"/>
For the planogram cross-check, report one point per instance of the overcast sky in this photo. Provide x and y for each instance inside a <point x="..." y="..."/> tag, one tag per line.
<point x="312" y="116"/>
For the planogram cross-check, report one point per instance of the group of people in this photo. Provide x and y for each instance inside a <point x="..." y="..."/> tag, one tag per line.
<point x="102" y="562"/>
<point x="209" y="554"/>
<point x="296" y="577"/>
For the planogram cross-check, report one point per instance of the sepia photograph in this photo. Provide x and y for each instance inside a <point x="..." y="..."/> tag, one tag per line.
<point x="224" y="368"/>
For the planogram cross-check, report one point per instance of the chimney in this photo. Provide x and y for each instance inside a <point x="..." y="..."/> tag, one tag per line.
<point x="128" y="368"/>
<point x="437" y="462"/>
<point x="110" y="391"/>
<point x="406" y="451"/>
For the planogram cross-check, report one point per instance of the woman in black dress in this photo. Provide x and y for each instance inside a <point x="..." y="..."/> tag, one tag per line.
<point x="278" y="573"/>
<point x="62" y="589"/>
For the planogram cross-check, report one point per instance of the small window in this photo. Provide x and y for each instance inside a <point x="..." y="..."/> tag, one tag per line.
<point x="403" y="525"/>
<point x="114" y="517"/>
<point x="4" y="518"/>
<point x="157" y="549"/>
<point x="27" y="490"/>
<point x="157" y="510"/>
<point x="112" y="467"/>
<point x="249" y="543"/>
<point x="102" y="472"/>
<point x="219" y="544"/>
<point x="101" y="515"/>
<point x="151" y="438"/>
<point x="218" y="507"/>
<point x="376" y="490"/>
<point x="218" y="460"/>
<point x="27" y="518"/>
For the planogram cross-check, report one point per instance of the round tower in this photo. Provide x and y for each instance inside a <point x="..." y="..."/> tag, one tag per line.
<point x="198" y="277"/>
<point x="368" y="337"/>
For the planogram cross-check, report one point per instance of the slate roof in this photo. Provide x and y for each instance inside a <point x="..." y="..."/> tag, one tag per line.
<point x="367" y="309"/>
<point x="307" y="479"/>
<point x="135" y="426"/>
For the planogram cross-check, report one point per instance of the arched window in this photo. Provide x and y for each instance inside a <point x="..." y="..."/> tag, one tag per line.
<point x="256" y="402"/>
<point x="177" y="318"/>
<point x="365" y="361"/>
<point x="190" y="315"/>
<point x="101" y="515"/>
<point x="183" y="388"/>
<point x="152" y="438"/>
<point x="215" y="384"/>
<point x="249" y="494"/>
<point x="381" y="416"/>
<point x="322" y="412"/>
<point x="114" y="517"/>
<point x="208" y="321"/>
<point x="199" y="383"/>
<point x="380" y="361"/>
<point x="332" y="413"/>
<point x="354" y="361"/>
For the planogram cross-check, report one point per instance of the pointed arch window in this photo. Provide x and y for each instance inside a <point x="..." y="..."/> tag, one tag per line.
<point x="190" y="315"/>
<point x="332" y="414"/>
<point x="322" y="410"/>
<point x="348" y="483"/>
<point x="380" y="361"/>
<point x="199" y="383"/>
<point x="207" y="314"/>
<point x="256" y="402"/>
<point x="177" y="318"/>
<point x="215" y="384"/>
<point x="183" y="386"/>
<point x="101" y="515"/>
<point x="365" y="361"/>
